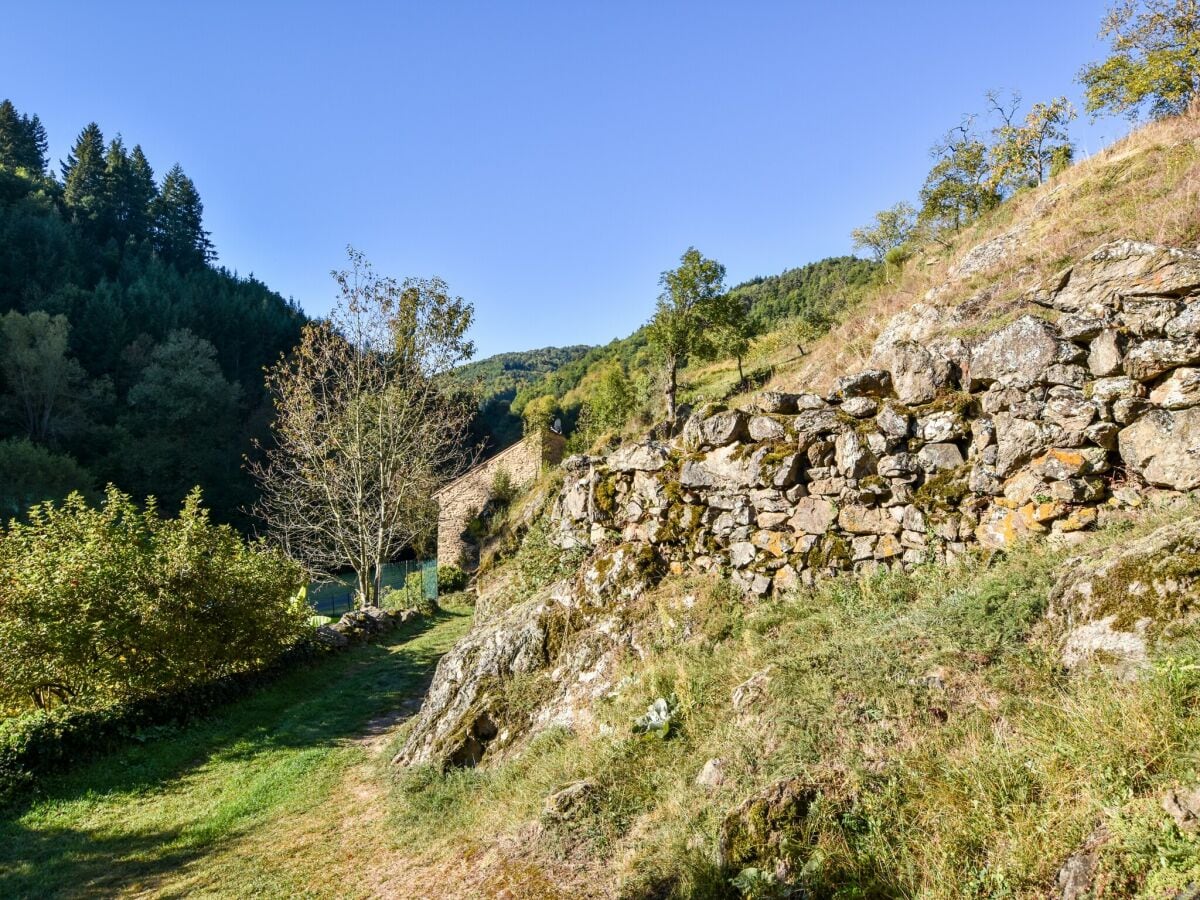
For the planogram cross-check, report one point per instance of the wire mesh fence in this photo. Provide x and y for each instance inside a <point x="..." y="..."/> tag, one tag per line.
<point x="333" y="598"/>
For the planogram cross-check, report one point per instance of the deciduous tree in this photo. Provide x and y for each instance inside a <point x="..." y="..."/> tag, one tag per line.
<point x="39" y="373"/>
<point x="1155" y="60"/>
<point x="956" y="190"/>
<point x="609" y="403"/>
<point x="181" y="417"/>
<point x="686" y="316"/>
<point x="891" y="228"/>
<point x="1027" y="153"/>
<point x="367" y="425"/>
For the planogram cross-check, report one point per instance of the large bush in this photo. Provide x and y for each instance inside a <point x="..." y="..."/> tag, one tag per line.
<point x="451" y="579"/>
<point x="117" y="602"/>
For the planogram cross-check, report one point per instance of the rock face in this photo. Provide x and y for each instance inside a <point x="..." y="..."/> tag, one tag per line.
<point x="1017" y="355"/>
<point x="939" y="445"/>
<point x="458" y="719"/>
<point x="1113" y="608"/>
<point x="1122" y="269"/>
<point x="463" y="717"/>
<point x="1163" y="446"/>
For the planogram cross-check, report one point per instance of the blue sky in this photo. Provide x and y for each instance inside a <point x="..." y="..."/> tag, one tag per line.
<point x="547" y="159"/>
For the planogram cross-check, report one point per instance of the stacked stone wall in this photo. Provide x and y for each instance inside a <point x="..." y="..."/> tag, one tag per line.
<point x="1085" y="403"/>
<point x="461" y="500"/>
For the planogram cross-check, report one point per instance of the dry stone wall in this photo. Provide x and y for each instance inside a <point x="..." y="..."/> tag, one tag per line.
<point x="461" y="500"/>
<point x="1086" y="403"/>
<point x="1042" y="427"/>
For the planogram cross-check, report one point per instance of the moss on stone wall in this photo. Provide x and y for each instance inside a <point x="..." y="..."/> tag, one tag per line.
<point x="943" y="492"/>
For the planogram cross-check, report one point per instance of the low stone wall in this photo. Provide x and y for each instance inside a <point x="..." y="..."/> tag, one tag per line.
<point x="1084" y="402"/>
<point x="461" y="500"/>
<point x="1083" y="405"/>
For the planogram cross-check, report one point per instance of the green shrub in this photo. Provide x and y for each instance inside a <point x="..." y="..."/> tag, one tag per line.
<point x="451" y="579"/>
<point x="118" y="603"/>
<point x="410" y="596"/>
<point x="503" y="490"/>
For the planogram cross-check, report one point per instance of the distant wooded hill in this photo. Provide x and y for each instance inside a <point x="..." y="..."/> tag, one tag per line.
<point x="498" y="379"/>
<point x="567" y="379"/>
<point x="126" y="356"/>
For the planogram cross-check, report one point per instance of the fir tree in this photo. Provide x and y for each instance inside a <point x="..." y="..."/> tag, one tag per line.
<point x="37" y="144"/>
<point x="178" y="222"/>
<point x="22" y="140"/>
<point x="118" y="174"/>
<point x="84" y="176"/>
<point x="142" y="192"/>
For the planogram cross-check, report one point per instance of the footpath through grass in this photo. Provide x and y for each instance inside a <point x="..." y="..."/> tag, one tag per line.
<point x="257" y="800"/>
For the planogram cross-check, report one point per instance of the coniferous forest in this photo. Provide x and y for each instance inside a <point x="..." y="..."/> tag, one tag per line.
<point x="127" y="355"/>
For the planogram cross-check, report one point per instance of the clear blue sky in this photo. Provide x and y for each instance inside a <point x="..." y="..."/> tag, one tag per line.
<point x="547" y="159"/>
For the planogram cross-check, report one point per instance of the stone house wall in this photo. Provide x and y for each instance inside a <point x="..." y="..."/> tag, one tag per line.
<point x="461" y="500"/>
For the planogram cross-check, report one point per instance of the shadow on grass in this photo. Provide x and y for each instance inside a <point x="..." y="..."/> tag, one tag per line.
<point x="53" y="862"/>
<point x="73" y="837"/>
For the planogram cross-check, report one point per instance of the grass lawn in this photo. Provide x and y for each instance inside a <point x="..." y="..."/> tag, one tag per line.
<point x="264" y="798"/>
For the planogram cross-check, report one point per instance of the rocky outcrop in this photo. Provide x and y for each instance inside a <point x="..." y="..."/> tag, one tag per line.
<point x="1113" y="608"/>
<point x="941" y="444"/>
<point x="937" y="446"/>
<point x="466" y="713"/>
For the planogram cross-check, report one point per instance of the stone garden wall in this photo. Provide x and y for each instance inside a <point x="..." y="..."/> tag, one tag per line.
<point x="1085" y="401"/>
<point x="461" y="500"/>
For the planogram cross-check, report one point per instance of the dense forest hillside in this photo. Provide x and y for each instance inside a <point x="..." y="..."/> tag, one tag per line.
<point x="497" y="380"/>
<point x="126" y="355"/>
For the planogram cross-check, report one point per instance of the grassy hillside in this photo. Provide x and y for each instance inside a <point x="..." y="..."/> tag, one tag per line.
<point x="947" y="752"/>
<point x="925" y="720"/>
<point x="1145" y="187"/>
<point x="797" y="305"/>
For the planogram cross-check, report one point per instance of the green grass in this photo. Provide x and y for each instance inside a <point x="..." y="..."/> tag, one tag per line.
<point x="952" y="754"/>
<point x="168" y="811"/>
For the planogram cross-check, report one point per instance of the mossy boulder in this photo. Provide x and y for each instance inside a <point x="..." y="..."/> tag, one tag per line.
<point x="759" y="830"/>
<point x="1116" y="607"/>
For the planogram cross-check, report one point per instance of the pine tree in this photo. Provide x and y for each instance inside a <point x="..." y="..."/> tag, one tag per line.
<point x="117" y="177"/>
<point x="142" y="194"/>
<point x="22" y="140"/>
<point x="178" y="222"/>
<point x="83" y="176"/>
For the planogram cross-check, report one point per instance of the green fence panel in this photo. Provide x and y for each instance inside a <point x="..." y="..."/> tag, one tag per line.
<point x="333" y="598"/>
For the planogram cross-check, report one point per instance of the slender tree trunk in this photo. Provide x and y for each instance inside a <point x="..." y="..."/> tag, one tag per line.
<point x="364" y="586"/>
<point x="741" y="374"/>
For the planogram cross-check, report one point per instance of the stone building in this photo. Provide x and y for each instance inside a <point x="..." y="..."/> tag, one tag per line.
<point x="462" y="499"/>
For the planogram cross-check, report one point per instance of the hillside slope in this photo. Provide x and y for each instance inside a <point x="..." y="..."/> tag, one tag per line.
<point x="909" y="713"/>
<point x="809" y="298"/>
<point x="126" y="355"/>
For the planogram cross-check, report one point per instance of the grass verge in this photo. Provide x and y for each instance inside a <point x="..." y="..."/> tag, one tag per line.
<point x="174" y="814"/>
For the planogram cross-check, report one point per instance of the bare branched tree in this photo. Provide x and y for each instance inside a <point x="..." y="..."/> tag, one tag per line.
<point x="367" y="425"/>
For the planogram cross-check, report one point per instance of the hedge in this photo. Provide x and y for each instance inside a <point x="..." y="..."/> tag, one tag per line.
<point x="40" y="743"/>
